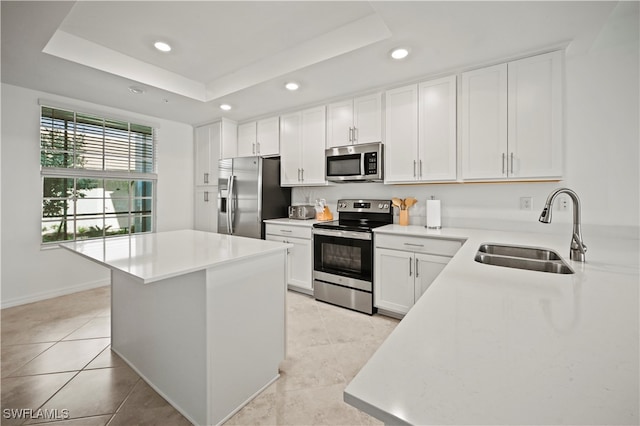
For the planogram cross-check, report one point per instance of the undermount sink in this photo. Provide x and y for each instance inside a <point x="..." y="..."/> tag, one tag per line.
<point x="522" y="257"/>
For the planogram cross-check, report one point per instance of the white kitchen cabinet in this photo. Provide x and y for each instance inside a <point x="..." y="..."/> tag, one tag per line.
<point x="511" y="121"/>
<point x="420" y="132"/>
<point x="206" y="209"/>
<point x="405" y="267"/>
<point x="260" y="137"/>
<point x="355" y="121"/>
<point x="302" y="145"/>
<point x="212" y="142"/>
<point x="299" y="257"/>
<point x="228" y="135"/>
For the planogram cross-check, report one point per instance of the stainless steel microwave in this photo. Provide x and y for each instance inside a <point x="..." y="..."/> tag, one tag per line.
<point x="355" y="163"/>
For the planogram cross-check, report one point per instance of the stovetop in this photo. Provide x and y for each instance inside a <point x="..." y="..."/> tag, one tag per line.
<point x="360" y="215"/>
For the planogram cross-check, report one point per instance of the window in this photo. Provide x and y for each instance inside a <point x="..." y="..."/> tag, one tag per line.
<point x="98" y="176"/>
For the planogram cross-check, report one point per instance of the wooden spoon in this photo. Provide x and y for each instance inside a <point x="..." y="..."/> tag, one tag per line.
<point x="409" y="201"/>
<point x="397" y="202"/>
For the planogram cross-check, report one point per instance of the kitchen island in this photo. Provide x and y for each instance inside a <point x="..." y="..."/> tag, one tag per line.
<point x="200" y="316"/>
<point x="494" y="345"/>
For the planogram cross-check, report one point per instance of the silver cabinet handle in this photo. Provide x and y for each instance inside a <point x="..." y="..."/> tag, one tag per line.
<point x="420" y="169"/>
<point x="257" y="147"/>
<point x="206" y="196"/>
<point x="253" y="148"/>
<point x="355" y="134"/>
<point x="512" y="163"/>
<point x="302" y="174"/>
<point x="414" y="245"/>
<point x="286" y="230"/>
<point x="206" y="178"/>
<point x="417" y="273"/>
<point x="298" y="175"/>
<point x="350" y="134"/>
<point x="410" y="262"/>
<point x="503" y="155"/>
<point x="414" y="168"/>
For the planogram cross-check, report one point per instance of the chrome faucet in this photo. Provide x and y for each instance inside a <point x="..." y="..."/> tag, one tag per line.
<point x="577" y="249"/>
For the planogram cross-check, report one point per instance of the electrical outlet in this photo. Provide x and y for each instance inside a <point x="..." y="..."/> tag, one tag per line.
<point x="563" y="203"/>
<point x="526" y="203"/>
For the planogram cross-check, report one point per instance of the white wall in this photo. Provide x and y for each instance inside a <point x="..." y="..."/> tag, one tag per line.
<point x="30" y="273"/>
<point x="601" y="127"/>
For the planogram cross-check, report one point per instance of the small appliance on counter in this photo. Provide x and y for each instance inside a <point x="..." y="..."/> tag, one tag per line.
<point x="302" y="212"/>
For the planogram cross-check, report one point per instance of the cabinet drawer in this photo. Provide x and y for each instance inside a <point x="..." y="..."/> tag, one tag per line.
<point x="288" y="231"/>
<point x="436" y="246"/>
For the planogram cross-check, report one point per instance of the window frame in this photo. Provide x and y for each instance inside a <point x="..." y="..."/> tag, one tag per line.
<point x="74" y="172"/>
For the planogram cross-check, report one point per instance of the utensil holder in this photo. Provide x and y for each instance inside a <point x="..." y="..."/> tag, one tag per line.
<point x="404" y="217"/>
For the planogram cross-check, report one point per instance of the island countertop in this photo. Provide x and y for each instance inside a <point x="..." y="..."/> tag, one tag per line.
<point x="493" y="345"/>
<point x="157" y="256"/>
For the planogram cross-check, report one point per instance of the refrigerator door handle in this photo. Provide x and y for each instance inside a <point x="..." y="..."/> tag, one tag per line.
<point x="231" y="208"/>
<point x="228" y="205"/>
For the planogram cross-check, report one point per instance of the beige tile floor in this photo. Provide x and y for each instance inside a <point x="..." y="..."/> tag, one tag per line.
<point x="55" y="355"/>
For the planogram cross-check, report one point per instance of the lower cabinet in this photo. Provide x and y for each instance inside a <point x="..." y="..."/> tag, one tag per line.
<point x="299" y="257"/>
<point x="405" y="267"/>
<point x="206" y="209"/>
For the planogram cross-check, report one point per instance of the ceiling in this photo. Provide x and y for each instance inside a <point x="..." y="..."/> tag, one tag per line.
<point x="242" y="53"/>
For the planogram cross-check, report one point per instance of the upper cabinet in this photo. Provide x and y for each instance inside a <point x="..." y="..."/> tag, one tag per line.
<point x="259" y="138"/>
<point x="228" y="134"/>
<point x="212" y="142"/>
<point x="511" y="120"/>
<point x="302" y="145"/>
<point x="355" y="121"/>
<point x="420" y="132"/>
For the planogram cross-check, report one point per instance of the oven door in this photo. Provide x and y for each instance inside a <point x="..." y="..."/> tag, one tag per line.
<point x="345" y="254"/>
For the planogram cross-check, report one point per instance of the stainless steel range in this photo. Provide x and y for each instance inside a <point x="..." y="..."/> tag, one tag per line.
<point x="343" y="253"/>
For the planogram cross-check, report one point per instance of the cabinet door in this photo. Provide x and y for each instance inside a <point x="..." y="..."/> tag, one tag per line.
<point x="206" y="211"/>
<point x="313" y="146"/>
<point x="268" y="136"/>
<point x="247" y="139"/>
<point x="299" y="264"/>
<point x="367" y="118"/>
<point x="535" y="116"/>
<point x="437" y="130"/>
<point x="393" y="280"/>
<point x="484" y="123"/>
<point x="290" y="148"/>
<point x="203" y="156"/>
<point x="339" y="123"/>
<point x="427" y="268"/>
<point x="228" y="139"/>
<point x="401" y="134"/>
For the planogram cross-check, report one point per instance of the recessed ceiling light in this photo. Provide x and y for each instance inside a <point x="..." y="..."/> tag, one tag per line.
<point x="292" y="86"/>
<point x="162" y="46"/>
<point x="399" y="53"/>
<point x="136" y="90"/>
<point x="225" y="107"/>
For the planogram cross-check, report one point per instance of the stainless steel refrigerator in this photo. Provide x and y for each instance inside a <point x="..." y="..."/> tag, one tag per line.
<point x="249" y="192"/>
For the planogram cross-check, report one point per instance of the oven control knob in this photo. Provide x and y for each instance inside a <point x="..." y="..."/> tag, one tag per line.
<point x="386" y="206"/>
<point x="380" y="205"/>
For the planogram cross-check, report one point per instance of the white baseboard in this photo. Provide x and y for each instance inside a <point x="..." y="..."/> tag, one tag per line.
<point x="53" y="293"/>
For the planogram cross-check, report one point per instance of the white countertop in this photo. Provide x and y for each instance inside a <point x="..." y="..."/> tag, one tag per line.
<point x="156" y="256"/>
<point x="307" y="223"/>
<point x="494" y="345"/>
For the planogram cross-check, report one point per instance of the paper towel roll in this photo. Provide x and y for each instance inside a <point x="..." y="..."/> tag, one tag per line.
<point x="433" y="214"/>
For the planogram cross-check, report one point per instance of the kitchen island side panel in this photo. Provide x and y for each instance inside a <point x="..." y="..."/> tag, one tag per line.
<point x="245" y="312"/>
<point x="159" y="329"/>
